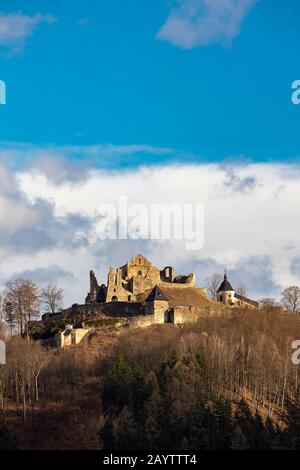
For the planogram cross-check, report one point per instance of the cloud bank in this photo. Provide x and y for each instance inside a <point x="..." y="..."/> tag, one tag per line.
<point x="48" y="218"/>
<point x="193" y="23"/>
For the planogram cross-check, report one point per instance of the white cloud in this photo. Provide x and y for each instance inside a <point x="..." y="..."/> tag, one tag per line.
<point x="47" y="217"/>
<point x="101" y="155"/>
<point x="193" y="23"/>
<point x="16" y="27"/>
<point x="251" y="216"/>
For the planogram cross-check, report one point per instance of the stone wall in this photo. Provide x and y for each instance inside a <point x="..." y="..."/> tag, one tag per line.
<point x="160" y="310"/>
<point x="185" y="313"/>
<point x="122" y="309"/>
<point x="141" y="322"/>
<point x="140" y="284"/>
<point x="117" y="290"/>
<point x="69" y="337"/>
<point x="177" y="285"/>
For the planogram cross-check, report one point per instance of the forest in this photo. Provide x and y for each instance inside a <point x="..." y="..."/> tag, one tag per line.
<point x="224" y="382"/>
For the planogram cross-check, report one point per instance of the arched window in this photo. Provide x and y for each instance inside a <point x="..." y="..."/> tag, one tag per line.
<point x="129" y="298"/>
<point x="114" y="298"/>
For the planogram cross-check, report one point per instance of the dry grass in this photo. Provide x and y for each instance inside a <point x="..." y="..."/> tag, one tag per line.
<point x="246" y="355"/>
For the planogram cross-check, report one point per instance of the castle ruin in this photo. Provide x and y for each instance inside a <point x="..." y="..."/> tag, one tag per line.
<point x="139" y="294"/>
<point x="137" y="276"/>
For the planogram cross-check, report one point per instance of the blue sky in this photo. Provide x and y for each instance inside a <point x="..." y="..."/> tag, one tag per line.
<point x="162" y="101"/>
<point x="99" y="74"/>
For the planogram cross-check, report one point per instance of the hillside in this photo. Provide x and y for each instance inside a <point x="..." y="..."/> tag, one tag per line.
<point x="224" y="375"/>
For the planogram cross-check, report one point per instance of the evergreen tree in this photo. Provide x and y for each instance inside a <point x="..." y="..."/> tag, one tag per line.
<point x="107" y="436"/>
<point x="223" y="415"/>
<point x="153" y="413"/>
<point x="125" y="386"/>
<point x="261" y="437"/>
<point x="239" y="440"/>
<point x="7" y="440"/>
<point x="127" y="432"/>
<point x="292" y="420"/>
<point x="245" y="421"/>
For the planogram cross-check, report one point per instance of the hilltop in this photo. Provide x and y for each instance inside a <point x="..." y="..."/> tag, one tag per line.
<point x="149" y="380"/>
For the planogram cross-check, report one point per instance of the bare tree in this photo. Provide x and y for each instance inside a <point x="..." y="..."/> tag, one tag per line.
<point x="2" y="316"/>
<point x="10" y="317"/>
<point x="38" y="360"/>
<point x="3" y="391"/>
<point x="291" y="299"/>
<point x="242" y="290"/>
<point x="23" y="303"/>
<point x="212" y="284"/>
<point x="2" y="310"/>
<point x="269" y="303"/>
<point x="52" y="298"/>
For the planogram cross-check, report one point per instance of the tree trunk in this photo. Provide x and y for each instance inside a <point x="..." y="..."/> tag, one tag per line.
<point x="36" y="388"/>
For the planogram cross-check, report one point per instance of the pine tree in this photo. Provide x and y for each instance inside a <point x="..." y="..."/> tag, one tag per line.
<point x="8" y="440"/>
<point x="261" y="437"/>
<point x="244" y="420"/>
<point x="125" y="386"/>
<point x="223" y="414"/>
<point x="106" y="435"/>
<point x="127" y="432"/>
<point x="239" y="440"/>
<point x="292" y="420"/>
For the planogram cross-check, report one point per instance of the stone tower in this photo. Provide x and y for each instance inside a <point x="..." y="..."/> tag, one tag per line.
<point x="226" y="293"/>
<point x="157" y="304"/>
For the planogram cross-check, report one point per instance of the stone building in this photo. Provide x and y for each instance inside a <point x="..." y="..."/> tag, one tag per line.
<point x="69" y="336"/>
<point x="139" y="294"/>
<point x="160" y="306"/>
<point x="228" y="296"/>
<point x="157" y="305"/>
<point x="137" y="276"/>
